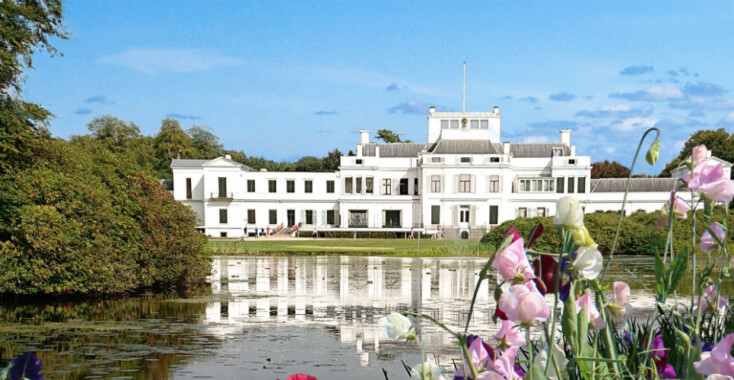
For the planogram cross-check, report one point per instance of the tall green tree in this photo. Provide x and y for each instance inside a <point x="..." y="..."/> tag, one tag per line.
<point x="389" y="136"/>
<point x="309" y="164"/>
<point x="606" y="169"/>
<point x="170" y="143"/>
<point x="206" y="144"/>
<point x="720" y="142"/>
<point x="332" y="160"/>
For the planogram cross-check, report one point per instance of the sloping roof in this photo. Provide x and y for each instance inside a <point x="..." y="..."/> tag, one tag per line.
<point x="617" y="185"/>
<point x="394" y="149"/>
<point x="464" y="147"/>
<point x="187" y="163"/>
<point x="537" y="150"/>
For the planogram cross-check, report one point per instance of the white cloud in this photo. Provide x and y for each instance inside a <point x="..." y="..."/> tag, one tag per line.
<point x="620" y="110"/>
<point x="704" y="104"/>
<point x="679" y="145"/>
<point x="634" y="124"/>
<point x="536" y="140"/>
<point x="652" y="93"/>
<point x="157" y="61"/>
<point x="727" y="120"/>
<point x="610" y="150"/>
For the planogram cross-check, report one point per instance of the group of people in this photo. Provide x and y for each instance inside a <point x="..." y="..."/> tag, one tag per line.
<point x="258" y="232"/>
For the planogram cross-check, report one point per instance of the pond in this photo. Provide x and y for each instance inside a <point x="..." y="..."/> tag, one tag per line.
<point x="269" y="317"/>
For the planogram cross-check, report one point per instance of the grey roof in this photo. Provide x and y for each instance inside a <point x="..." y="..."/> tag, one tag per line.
<point x="537" y="150"/>
<point x="617" y="185"/>
<point x="464" y="147"/>
<point x="176" y="163"/>
<point x="394" y="149"/>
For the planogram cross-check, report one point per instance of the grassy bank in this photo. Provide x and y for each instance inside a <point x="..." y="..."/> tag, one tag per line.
<point x="383" y="247"/>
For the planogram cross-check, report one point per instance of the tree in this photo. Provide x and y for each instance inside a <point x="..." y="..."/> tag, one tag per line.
<point x="608" y="169"/>
<point x="206" y="144"/>
<point x="171" y="143"/>
<point x="389" y="136"/>
<point x="309" y="164"/>
<point x="720" y="142"/>
<point x="332" y="160"/>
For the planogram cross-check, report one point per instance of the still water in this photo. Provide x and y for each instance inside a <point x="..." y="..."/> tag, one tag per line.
<point x="268" y="317"/>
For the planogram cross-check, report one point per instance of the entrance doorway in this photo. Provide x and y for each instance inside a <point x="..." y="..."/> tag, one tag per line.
<point x="465" y="234"/>
<point x="291" y="217"/>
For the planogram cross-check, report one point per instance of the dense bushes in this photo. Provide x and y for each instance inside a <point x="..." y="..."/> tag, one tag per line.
<point x="636" y="235"/>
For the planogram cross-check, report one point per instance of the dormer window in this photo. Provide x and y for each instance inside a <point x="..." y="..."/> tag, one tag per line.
<point x="444" y="124"/>
<point x="558" y="151"/>
<point x="474" y="124"/>
<point x="572" y="161"/>
<point x="494" y="159"/>
<point x="436" y="160"/>
<point x="358" y="161"/>
<point x="454" y="124"/>
<point x="465" y="160"/>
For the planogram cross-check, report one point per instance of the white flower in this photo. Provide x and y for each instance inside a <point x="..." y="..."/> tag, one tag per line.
<point x="588" y="262"/>
<point x="569" y="213"/>
<point x="719" y="377"/>
<point x="427" y="371"/>
<point x="397" y="326"/>
<point x="541" y="360"/>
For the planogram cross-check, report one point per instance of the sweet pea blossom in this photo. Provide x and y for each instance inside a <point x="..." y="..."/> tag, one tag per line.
<point x="660" y="356"/>
<point x="510" y="335"/>
<point x="719" y="361"/>
<point x="397" y="326"/>
<point x="595" y="318"/>
<point x="711" y="182"/>
<point x="719" y="377"/>
<point x="680" y="211"/>
<point x="699" y="155"/>
<point x="620" y="299"/>
<point x="588" y="263"/>
<point x="708" y="243"/>
<point x="523" y="304"/>
<point x="301" y="376"/>
<point x="513" y="264"/>
<point x="582" y="238"/>
<point x="427" y="371"/>
<point x="711" y="300"/>
<point x="569" y="213"/>
<point x="542" y="360"/>
<point x="505" y="365"/>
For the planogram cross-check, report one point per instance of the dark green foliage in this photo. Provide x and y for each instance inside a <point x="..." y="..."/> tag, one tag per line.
<point x="606" y="169"/>
<point x="205" y="143"/>
<point x="719" y="142"/>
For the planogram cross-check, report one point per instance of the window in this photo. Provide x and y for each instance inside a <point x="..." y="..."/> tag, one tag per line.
<point x="222" y="234"/>
<point x="559" y="183"/>
<point x="359" y="185"/>
<point x="436" y="160"/>
<point x="368" y="185"/>
<point x="454" y="124"/>
<point x="493" y="214"/>
<point x="483" y="124"/>
<point x="188" y="189"/>
<point x="358" y="161"/>
<point x="329" y="186"/>
<point x="392" y="218"/>
<point x="309" y="216"/>
<point x="465" y="183"/>
<point x="330" y="217"/>
<point x="273" y="216"/>
<point x="465" y="160"/>
<point x="386" y="186"/>
<point x="290" y="186"/>
<point x="572" y="161"/>
<point x="435" y="183"/>
<point x="464" y="215"/>
<point x="494" y="160"/>
<point x="582" y="185"/>
<point x="522" y="212"/>
<point x="435" y="214"/>
<point x="251" y="216"/>
<point x="348" y="185"/>
<point x="415" y="186"/>
<point x="494" y="184"/>
<point x="250" y="185"/>
<point x="403" y="186"/>
<point x="557" y="151"/>
<point x="474" y="124"/>
<point x="540" y="185"/>
<point x="223" y="215"/>
<point x="222" y="187"/>
<point x="308" y="186"/>
<point x="272" y="188"/>
<point x="444" y="124"/>
<point x="357" y="218"/>
<point x="541" y="212"/>
<point x="571" y="181"/>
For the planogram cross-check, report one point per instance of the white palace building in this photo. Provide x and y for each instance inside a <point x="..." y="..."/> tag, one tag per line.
<point x="459" y="184"/>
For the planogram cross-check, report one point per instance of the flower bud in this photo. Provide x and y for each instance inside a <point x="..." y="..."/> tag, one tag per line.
<point x="654" y="152"/>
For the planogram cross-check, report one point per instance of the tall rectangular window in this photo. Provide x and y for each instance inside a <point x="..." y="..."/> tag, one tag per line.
<point x="415" y="186"/>
<point x="250" y="185"/>
<point x="329" y="186"/>
<point x="189" y="194"/>
<point x="308" y="186"/>
<point x="571" y="182"/>
<point x="251" y="216"/>
<point x="330" y="217"/>
<point x="465" y="183"/>
<point x="493" y="214"/>
<point x="309" y="216"/>
<point x="348" y="185"/>
<point x="223" y="215"/>
<point x="273" y="216"/>
<point x="522" y="212"/>
<point x="272" y="186"/>
<point x="582" y="185"/>
<point x="359" y="185"/>
<point x="222" y="187"/>
<point x="494" y="184"/>
<point x="559" y="185"/>
<point x="435" y="183"/>
<point x="403" y="186"/>
<point x="290" y="186"/>
<point x="386" y="186"/>
<point x="368" y="185"/>
<point x="541" y="212"/>
<point x="465" y="160"/>
<point x="435" y="214"/>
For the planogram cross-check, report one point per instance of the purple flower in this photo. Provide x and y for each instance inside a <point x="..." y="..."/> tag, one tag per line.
<point x="26" y="366"/>
<point x="660" y="357"/>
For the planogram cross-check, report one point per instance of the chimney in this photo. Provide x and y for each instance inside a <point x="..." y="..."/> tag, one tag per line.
<point x="364" y="137"/>
<point x="432" y="110"/>
<point x="506" y="148"/>
<point x="227" y="156"/>
<point x="565" y="136"/>
<point x="496" y="110"/>
<point x="377" y="150"/>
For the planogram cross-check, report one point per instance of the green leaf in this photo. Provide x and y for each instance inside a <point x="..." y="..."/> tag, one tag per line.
<point x="659" y="276"/>
<point x="535" y="373"/>
<point x="677" y="270"/>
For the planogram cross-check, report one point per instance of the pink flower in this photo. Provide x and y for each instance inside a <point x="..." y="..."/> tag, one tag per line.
<point x="524" y="304"/>
<point x="680" y="211"/>
<point x="505" y="364"/>
<point x="620" y="299"/>
<point x="708" y="243"/>
<point x="513" y="264"/>
<point x="301" y="376"/>
<point x="712" y="300"/>
<point x="719" y="361"/>
<point x="711" y="182"/>
<point x="699" y="155"/>
<point x="510" y="335"/>
<point x="595" y="318"/>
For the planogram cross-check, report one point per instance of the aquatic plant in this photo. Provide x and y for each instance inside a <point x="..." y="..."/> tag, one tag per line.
<point x="579" y="336"/>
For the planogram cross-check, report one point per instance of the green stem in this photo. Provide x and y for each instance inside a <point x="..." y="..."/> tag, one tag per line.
<point x="530" y="348"/>
<point x="557" y="282"/>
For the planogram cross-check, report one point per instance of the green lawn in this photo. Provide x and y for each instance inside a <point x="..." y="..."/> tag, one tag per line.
<point x="382" y="247"/>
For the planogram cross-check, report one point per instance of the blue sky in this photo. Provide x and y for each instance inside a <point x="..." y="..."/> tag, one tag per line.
<point x="287" y="79"/>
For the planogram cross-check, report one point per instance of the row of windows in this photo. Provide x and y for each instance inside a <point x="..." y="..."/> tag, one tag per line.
<point x="353" y="185"/>
<point x="473" y="124"/>
<point x="308" y="216"/>
<point x="549" y="185"/>
<point x="524" y="212"/>
<point x="464" y="215"/>
<point x="290" y="186"/>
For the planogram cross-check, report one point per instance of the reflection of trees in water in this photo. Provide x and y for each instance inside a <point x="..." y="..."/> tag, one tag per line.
<point x="144" y="338"/>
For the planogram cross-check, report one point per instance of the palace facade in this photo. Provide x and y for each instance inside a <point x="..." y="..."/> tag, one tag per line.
<point x="459" y="184"/>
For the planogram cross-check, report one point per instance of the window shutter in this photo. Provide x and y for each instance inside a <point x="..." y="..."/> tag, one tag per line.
<point x="455" y="211"/>
<point x="488" y="184"/>
<point x="500" y="184"/>
<point x="429" y="186"/>
<point x="303" y="217"/>
<point x="396" y="187"/>
<point x="473" y="184"/>
<point x="456" y="183"/>
<point x="440" y="184"/>
<point x="323" y="217"/>
<point x="473" y="216"/>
